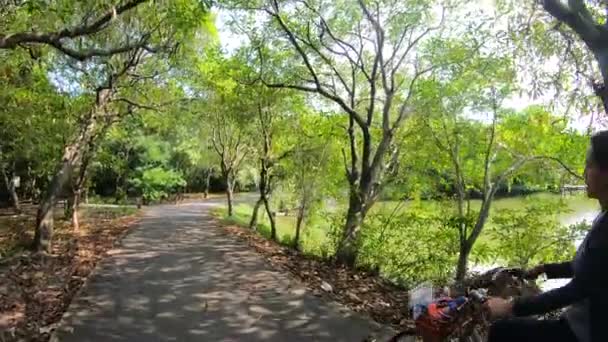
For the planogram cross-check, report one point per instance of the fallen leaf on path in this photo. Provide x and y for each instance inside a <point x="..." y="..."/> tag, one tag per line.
<point x="325" y="286"/>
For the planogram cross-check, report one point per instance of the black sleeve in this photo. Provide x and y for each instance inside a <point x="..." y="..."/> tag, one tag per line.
<point x="589" y="283"/>
<point x="596" y="279"/>
<point x="559" y="270"/>
<point x="549" y="301"/>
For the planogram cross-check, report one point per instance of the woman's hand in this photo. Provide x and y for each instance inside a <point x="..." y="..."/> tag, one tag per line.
<point x="499" y="308"/>
<point x="534" y="272"/>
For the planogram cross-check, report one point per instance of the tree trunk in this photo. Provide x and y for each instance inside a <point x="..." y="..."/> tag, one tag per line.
<point x="347" y="247"/>
<point x="595" y="38"/>
<point x="600" y="51"/>
<point x="44" y="218"/>
<point x="10" y="186"/>
<point x="14" y="197"/>
<point x="466" y="245"/>
<point x="75" y="205"/>
<point x="271" y="218"/>
<point x="72" y="154"/>
<point x="33" y="192"/>
<point x="299" y="223"/>
<point x="79" y="189"/>
<point x="69" y="206"/>
<point x="263" y="189"/>
<point x="230" y="196"/>
<point x="207" y="181"/>
<point x="463" y="261"/>
<point x="253" y="223"/>
<point x="44" y="225"/>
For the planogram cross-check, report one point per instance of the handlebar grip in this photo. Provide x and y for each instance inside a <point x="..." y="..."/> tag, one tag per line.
<point x="478" y="296"/>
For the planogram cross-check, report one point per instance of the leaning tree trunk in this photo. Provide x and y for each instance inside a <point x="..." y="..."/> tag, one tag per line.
<point x="299" y="223"/>
<point x="271" y="218"/>
<point x="79" y="185"/>
<point x="12" y="189"/>
<point x="466" y="245"/>
<point x="253" y="223"/>
<point x="79" y="189"/>
<point x="72" y="154"/>
<point x="44" y="218"/>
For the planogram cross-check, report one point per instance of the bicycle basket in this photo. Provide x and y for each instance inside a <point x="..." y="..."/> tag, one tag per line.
<point x="440" y="319"/>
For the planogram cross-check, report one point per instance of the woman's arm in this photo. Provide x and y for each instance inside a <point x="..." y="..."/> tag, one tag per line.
<point x="559" y="270"/>
<point x="549" y="301"/>
<point x="590" y="282"/>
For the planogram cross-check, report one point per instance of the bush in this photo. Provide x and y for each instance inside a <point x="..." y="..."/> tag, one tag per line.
<point x="156" y="184"/>
<point x="534" y="235"/>
<point x="410" y="247"/>
<point x="332" y="226"/>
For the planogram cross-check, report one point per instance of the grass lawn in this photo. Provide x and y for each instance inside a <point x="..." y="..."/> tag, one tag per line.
<point x="314" y="236"/>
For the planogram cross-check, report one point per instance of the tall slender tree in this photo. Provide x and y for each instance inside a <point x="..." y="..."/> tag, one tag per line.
<point x="366" y="58"/>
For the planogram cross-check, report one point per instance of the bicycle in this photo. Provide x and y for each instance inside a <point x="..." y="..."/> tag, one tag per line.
<point x="468" y="322"/>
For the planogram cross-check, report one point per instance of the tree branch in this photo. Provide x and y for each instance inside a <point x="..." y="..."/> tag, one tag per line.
<point x="136" y="104"/>
<point x="56" y="39"/>
<point x="487" y="161"/>
<point x="89" y="53"/>
<point x="563" y="165"/>
<point x="319" y="88"/>
<point x="403" y="110"/>
<point x="378" y="64"/>
<point x="290" y="86"/>
<point x="573" y="17"/>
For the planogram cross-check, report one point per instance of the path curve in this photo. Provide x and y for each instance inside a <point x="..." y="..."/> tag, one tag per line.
<point x="179" y="277"/>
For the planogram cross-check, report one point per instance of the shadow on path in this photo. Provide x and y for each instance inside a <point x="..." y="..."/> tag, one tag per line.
<point x="177" y="277"/>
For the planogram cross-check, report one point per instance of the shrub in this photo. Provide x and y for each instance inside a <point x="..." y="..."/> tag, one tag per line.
<point x="410" y="247"/>
<point x="534" y="235"/>
<point x="156" y="184"/>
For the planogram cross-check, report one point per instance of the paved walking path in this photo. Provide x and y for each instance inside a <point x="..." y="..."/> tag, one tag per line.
<point x="178" y="277"/>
